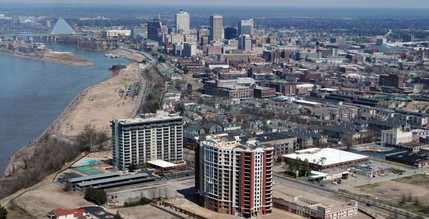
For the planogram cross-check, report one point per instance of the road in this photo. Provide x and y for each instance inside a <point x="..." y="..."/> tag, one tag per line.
<point x="145" y="54"/>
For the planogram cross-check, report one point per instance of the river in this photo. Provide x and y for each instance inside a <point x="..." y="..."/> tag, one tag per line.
<point x="33" y="93"/>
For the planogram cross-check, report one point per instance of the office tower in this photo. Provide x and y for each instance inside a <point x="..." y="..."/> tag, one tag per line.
<point x="246" y="27"/>
<point x="154" y="30"/>
<point x="182" y="22"/>
<point x="230" y="33"/>
<point x="245" y="42"/>
<point x="189" y="49"/>
<point x="153" y="137"/>
<point x="216" y="28"/>
<point x="203" y="36"/>
<point x="234" y="179"/>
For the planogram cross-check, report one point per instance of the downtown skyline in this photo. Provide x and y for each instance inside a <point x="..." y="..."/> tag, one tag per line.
<point x="306" y="3"/>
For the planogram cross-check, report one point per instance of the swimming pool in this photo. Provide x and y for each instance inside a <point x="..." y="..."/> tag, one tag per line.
<point x="86" y="162"/>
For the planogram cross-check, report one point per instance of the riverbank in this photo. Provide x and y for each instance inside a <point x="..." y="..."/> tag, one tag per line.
<point x="96" y="106"/>
<point x="100" y="104"/>
<point x="65" y="58"/>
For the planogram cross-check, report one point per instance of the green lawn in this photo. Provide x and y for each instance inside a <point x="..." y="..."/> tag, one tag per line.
<point x="396" y="171"/>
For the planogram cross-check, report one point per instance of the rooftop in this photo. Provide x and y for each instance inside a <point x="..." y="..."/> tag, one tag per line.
<point x="146" y="118"/>
<point x="325" y="156"/>
<point x="161" y="163"/>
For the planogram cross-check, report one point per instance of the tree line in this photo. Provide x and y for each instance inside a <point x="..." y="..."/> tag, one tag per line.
<point x="48" y="156"/>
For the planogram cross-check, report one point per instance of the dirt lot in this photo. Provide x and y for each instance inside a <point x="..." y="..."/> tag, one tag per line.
<point x="101" y="104"/>
<point x="149" y="211"/>
<point x="39" y="202"/>
<point x="392" y="192"/>
<point x="418" y="180"/>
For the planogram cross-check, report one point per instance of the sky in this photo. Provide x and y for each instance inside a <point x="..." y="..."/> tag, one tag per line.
<point x="286" y="3"/>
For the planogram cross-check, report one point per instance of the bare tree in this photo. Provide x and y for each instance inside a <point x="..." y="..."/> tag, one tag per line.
<point x="153" y="193"/>
<point x="89" y="138"/>
<point x="164" y="193"/>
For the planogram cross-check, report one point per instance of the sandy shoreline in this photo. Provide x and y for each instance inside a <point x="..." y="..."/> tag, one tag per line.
<point x="95" y="105"/>
<point x="47" y="59"/>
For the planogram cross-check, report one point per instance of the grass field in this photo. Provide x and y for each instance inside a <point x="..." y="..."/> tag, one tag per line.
<point x="87" y="170"/>
<point x="417" y="180"/>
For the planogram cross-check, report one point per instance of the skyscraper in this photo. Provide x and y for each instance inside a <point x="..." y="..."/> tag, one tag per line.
<point x="155" y="137"/>
<point x="216" y="28"/>
<point x="182" y="21"/>
<point x="245" y="42"/>
<point x="230" y="33"/>
<point x="234" y="179"/>
<point x="246" y="27"/>
<point x="154" y="30"/>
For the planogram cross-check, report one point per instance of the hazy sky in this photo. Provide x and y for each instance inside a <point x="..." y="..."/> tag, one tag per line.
<point x="294" y="3"/>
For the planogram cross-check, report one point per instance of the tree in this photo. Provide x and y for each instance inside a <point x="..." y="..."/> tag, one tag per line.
<point x="161" y="59"/>
<point x="89" y="138"/>
<point x="417" y="202"/>
<point x="117" y="216"/>
<point x="306" y="167"/>
<point x="163" y="193"/>
<point x="410" y="197"/>
<point x="347" y="140"/>
<point x="3" y="212"/>
<point x="403" y="200"/>
<point x="96" y="196"/>
<point x="132" y="167"/>
<point x="67" y="187"/>
<point x="153" y="193"/>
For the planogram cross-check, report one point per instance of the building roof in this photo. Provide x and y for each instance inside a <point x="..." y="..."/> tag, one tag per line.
<point x="114" y="180"/>
<point x="325" y="156"/>
<point x="161" y="163"/>
<point x="409" y="158"/>
<point x="63" y="212"/>
<point x="150" y="118"/>
<point x="274" y="137"/>
<point x="61" y="27"/>
<point x="94" y="177"/>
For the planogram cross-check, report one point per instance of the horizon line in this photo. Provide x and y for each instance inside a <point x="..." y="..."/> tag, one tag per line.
<point x="207" y="6"/>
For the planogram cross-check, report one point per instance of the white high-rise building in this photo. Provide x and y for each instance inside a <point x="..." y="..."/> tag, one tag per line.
<point x="216" y="28"/>
<point x="182" y="21"/>
<point x="153" y="137"/>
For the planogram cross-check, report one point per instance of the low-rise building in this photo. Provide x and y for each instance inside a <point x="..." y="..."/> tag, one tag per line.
<point x="66" y="214"/>
<point x="410" y="158"/>
<point x="309" y="205"/>
<point x="326" y="158"/>
<point x="230" y="89"/>
<point x="281" y="142"/>
<point x="264" y="92"/>
<point x="395" y="137"/>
